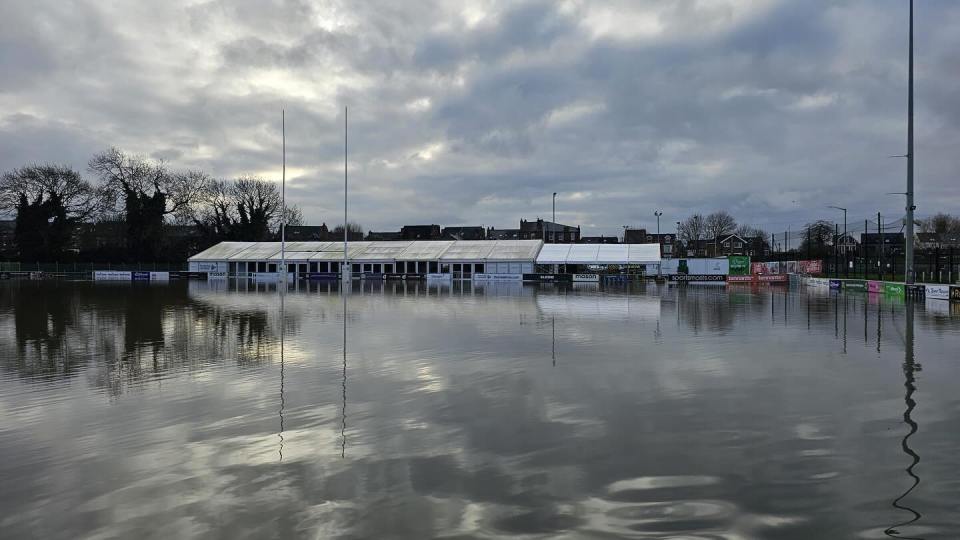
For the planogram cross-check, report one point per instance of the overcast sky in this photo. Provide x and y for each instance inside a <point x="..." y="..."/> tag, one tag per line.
<point x="475" y="112"/>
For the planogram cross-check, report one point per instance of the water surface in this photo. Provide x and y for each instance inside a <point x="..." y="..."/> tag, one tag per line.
<point x="223" y="410"/>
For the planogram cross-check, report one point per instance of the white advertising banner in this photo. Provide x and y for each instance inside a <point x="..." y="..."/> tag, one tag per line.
<point x="586" y="277"/>
<point x="937" y="292"/>
<point x="445" y="277"/>
<point x="159" y="276"/>
<point x="699" y="267"/>
<point x="111" y="275"/>
<point x="498" y="277"/>
<point x="818" y="282"/>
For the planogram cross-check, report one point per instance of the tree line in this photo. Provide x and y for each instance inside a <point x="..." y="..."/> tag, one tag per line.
<point x="142" y="201"/>
<point x="715" y="226"/>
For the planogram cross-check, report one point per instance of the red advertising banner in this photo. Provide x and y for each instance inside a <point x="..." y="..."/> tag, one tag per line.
<point x="758" y="268"/>
<point x="740" y="279"/>
<point x="811" y="267"/>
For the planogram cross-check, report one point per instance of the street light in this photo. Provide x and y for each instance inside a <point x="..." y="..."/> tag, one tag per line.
<point x="659" y="240"/>
<point x="846" y="270"/>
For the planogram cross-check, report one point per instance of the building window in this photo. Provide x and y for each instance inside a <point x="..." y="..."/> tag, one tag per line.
<point x="738" y="245"/>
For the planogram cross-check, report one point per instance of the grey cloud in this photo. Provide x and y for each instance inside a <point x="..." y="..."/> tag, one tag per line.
<point x="457" y="122"/>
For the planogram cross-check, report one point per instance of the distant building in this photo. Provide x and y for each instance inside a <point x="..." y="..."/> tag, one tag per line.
<point x="503" y="234"/>
<point x="636" y="236"/>
<point x="732" y="244"/>
<point x="420" y="232"/>
<point x="8" y="240"/>
<point x="927" y="240"/>
<point x="383" y="235"/>
<point x="889" y="243"/>
<point x="307" y="233"/>
<point x="464" y="233"/>
<point x="847" y="244"/>
<point x="599" y="240"/>
<point x="669" y="243"/>
<point x="549" y="232"/>
<point x="758" y="246"/>
<point x="102" y="235"/>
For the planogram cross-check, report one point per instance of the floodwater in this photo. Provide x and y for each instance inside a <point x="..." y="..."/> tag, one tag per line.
<point x="223" y="410"/>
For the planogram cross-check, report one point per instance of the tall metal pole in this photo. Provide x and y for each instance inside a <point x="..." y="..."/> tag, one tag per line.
<point x="283" y="198"/>
<point x="846" y="264"/>
<point x="908" y="268"/>
<point x="554" y="206"/>
<point x="659" y="239"/>
<point x="344" y="270"/>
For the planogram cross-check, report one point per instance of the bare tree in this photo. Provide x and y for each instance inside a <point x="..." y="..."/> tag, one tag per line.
<point x="355" y="231"/>
<point x="748" y="231"/>
<point x="941" y="224"/>
<point x="147" y="192"/>
<point x="720" y="224"/>
<point x="693" y="229"/>
<point x="48" y="202"/>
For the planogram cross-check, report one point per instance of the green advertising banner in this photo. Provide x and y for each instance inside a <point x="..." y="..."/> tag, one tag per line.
<point x="854" y="285"/>
<point x="893" y="289"/>
<point x="739" y="265"/>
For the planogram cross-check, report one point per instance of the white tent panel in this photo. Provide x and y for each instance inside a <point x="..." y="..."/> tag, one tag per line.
<point x="583" y="254"/>
<point x="382" y="251"/>
<point x="554" y="254"/>
<point x="643" y="253"/>
<point x="293" y="255"/>
<point x="612" y="253"/>
<point x="258" y="251"/>
<point x="221" y="251"/>
<point x="515" y="250"/>
<point x="469" y="250"/>
<point x="425" y="250"/>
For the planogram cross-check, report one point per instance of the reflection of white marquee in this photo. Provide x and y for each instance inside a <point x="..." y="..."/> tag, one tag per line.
<point x="498" y="277"/>
<point x="599" y="306"/>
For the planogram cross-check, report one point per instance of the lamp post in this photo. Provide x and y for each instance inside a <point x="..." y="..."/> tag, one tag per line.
<point x="845" y="265"/>
<point x="659" y="240"/>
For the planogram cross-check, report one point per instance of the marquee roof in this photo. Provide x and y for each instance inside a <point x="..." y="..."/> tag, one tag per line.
<point x="383" y="251"/>
<point x="599" y="254"/>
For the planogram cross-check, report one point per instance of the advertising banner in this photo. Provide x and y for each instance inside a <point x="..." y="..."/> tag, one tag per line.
<point x="697" y="277"/>
<point x="937" y="292"/>
<point x="758" y="268"/>
<point x="323" y="275"/>
<point x="810" y="267"/>
<point x="719" y="266"/>
<point x="835" y="284"/>
<point x="818" y="282"/>
<point x="773" y="278"/>
<point x="586" y="277"/>
<point x="854" y="285"/>
<point x="893" y="289"/>
<point x="140" y="276"/>
<point x="874" y="286"/>
<point x="739" y="279"/>
<point x="438" y="277"/>
<point x="159" y="276"/>
<point x="955" y="293"/>
<point x="498" y="277"/>
<point x="739" y="265"/>
<point x="220" y="275"/>
<point x="111" y="275"/>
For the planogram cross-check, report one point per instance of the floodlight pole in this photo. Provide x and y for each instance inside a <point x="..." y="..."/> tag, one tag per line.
<point x="908" y="268"/>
